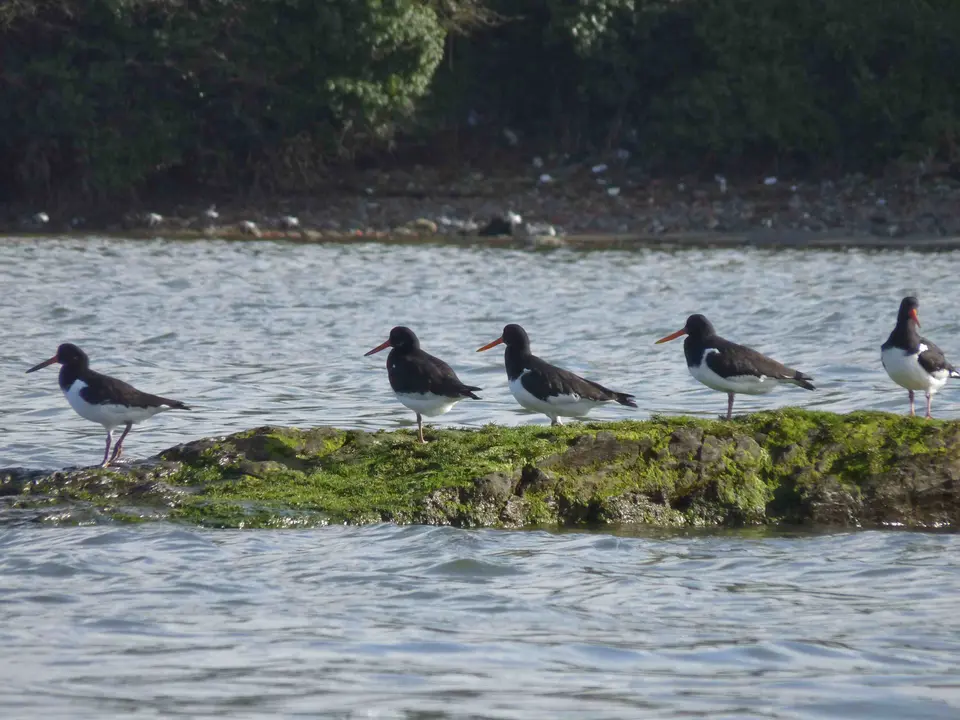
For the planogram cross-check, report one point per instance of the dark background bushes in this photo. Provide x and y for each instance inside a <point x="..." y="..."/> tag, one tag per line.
<point x="107" y="97"/>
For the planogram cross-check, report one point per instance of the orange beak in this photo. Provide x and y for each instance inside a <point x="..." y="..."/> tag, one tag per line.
<point x="44" y="364"/>
<point x="916" y="318"/>
<point x="378" y="348"/>
<point x="671" y="336"/>
<point x="490" y="345"/>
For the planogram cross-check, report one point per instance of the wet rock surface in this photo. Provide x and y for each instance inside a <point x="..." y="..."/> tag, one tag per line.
<point x="791" y="466"/>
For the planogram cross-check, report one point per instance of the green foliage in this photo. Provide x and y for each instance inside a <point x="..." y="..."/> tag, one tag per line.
<point x="840" y="80"/>
<point x="127" y="89"/>
<point x="826" y="81"/>
<point x="101" y="96"/>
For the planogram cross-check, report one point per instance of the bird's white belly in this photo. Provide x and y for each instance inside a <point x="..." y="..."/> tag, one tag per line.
<point x="427" y="403"/>
<point x="554" y="406"/>
<point x="747" y="384"/>
<point x="110" y="416"/>
<point x="905" y="370"/>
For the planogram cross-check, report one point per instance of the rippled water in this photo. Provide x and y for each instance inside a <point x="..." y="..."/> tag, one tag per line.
<point x="385" y="622"/>
<point x="264" y="332"/>
<point x="417" y="622"/>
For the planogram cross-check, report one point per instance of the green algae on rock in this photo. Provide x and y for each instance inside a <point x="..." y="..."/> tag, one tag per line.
<point x="790" y="466"/>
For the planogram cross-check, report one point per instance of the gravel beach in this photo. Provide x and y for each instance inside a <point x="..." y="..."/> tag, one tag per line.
<point x="598" y="200"/>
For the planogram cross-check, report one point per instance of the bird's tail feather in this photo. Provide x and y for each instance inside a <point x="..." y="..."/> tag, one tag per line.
<point x="625" y="399"/>
<point x="469" y="390"/>
<point x="801" y="380"/>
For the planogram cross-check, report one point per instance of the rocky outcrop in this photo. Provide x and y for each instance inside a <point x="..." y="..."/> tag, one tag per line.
<point x="790" y="467"/>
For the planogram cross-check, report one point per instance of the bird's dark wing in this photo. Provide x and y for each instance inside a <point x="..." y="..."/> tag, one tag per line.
<point x="106" y="390"/>
<point x="732" y="360"/>
<point x="933" y="360"/>
<point x="421" y="372"/>
<point x="544" y="380"/>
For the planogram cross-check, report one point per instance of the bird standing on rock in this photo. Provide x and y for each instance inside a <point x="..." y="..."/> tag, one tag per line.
<point x="541" y="387"/>
<point x="911" y="361"/>
<point x="421" y="382"/>
<point x="103" y="399"/>
<point x="723" y="365"/>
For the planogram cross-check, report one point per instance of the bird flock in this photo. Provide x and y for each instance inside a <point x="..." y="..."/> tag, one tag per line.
<point x="429" y="387"/>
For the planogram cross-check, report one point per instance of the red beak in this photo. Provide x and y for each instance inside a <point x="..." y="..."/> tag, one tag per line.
<point x="378" y="348"/>
<point x="916" y="319"/>
<point x="490" y="345"/>
<point x="671" y="336"/>
<point x="44" y="364"/>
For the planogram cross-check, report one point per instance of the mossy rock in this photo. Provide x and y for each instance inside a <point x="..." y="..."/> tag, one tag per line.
<point x="790" y="466"/>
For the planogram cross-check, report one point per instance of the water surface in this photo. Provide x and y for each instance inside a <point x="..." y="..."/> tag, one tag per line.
<point x="419" y="622"/>
<point x="257" y="333"/>
<point x="167" y="621"/>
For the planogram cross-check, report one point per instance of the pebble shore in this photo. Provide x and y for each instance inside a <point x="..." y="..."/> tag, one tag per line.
<point x="599" y="204"/>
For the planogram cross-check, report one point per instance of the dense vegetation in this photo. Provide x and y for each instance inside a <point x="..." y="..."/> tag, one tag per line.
<point x="105" y="96"/>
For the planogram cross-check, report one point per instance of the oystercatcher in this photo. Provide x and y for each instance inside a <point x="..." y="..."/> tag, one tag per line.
<point x="544" y="388"/>
<point x="723" y="365"/>
<point x="911" y="361"/>
<point x="421" y="382"/>
<point x="103" y="399"/>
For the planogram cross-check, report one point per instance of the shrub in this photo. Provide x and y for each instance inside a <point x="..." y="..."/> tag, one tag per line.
<point x="99" y="95"/>
<point x="825" y="81"/>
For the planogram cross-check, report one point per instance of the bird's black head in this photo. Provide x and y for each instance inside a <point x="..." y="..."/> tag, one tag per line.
<point x="69" y="355"/>
<point x="908" y="311"/>
<point x="697" y="326"/>
<point x="401" y="338"/>
<point x="513" y="336"/>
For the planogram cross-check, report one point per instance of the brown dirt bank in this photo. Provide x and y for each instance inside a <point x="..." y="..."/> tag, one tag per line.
<point x="613" y="206"/>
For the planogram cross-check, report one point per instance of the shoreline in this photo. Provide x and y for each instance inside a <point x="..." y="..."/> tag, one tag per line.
<point x="769" y="239"/>
<point x="578" y="209"/>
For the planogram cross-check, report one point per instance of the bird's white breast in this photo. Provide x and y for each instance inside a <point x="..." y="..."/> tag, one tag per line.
<point x="907" y="372"/>
<point x="555" y="405"/>
<point x="427" y="403"/>
<point x="107" y="414"/>
<point x="747" y="384"/>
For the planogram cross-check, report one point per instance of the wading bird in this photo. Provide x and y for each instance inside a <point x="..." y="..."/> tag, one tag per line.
<point x="911" y="361"/>
<point x="544" y="388"/>
<point x="725" y="366"/>
<point x="421" y="382"/>
<point x="103" y="399"/>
